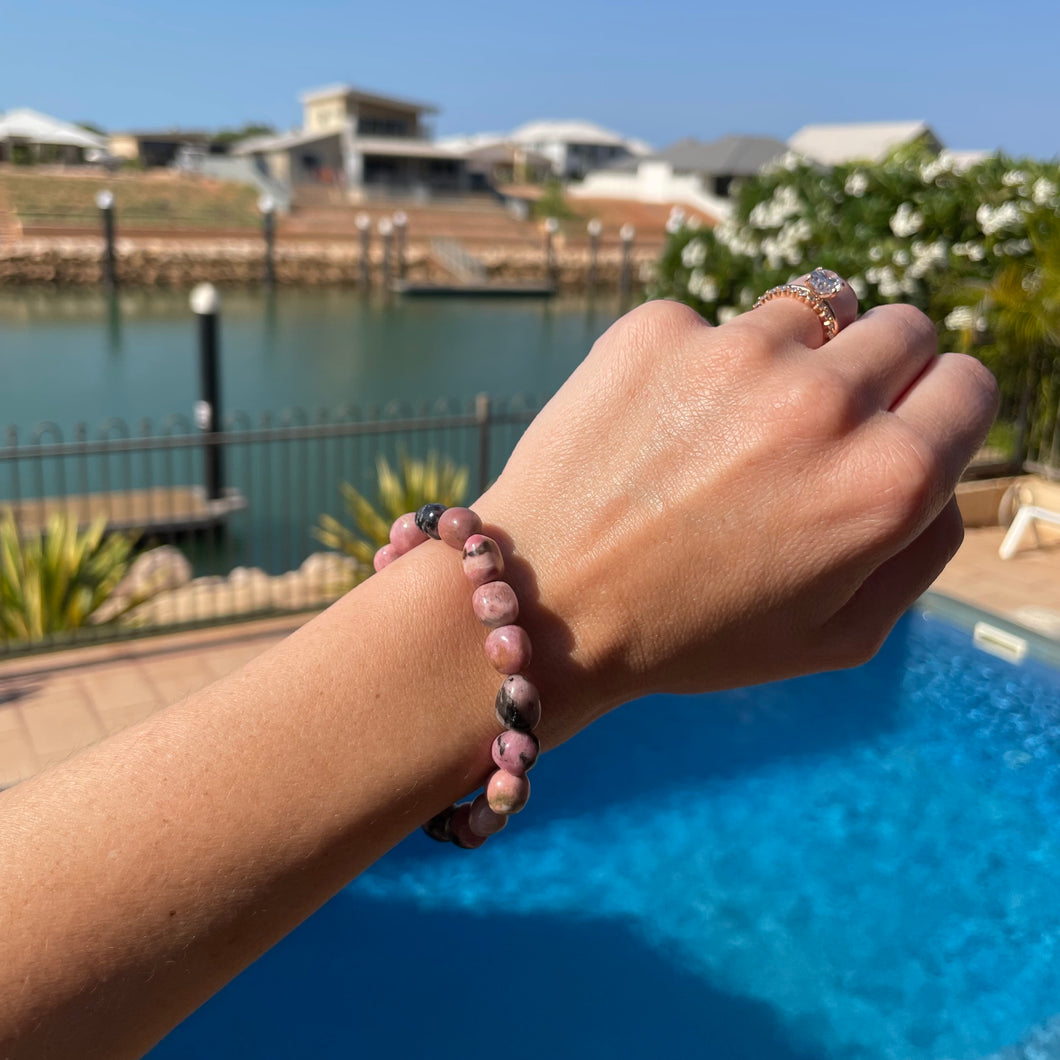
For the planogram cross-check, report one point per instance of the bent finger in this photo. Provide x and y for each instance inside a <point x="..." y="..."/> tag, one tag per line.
<point x="883" y="353"/>
<point x="789" y="319"/>
<point x="950" y="407"/>
<point x="854" y="634"/>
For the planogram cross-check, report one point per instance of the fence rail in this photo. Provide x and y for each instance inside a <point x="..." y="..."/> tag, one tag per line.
<point x="223" y="521"/>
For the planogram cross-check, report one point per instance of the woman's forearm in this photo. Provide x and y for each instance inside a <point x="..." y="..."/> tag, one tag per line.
<point x="210" y="831"/>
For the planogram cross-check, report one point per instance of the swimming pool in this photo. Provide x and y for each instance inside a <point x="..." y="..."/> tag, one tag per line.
<point x="856" y="865"/>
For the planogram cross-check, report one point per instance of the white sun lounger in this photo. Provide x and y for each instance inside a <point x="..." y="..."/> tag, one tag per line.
<point x="1025" y="517"/>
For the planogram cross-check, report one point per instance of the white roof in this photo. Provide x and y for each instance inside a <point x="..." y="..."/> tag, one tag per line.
<point x="26" y="124"/>
<point x="569" y="132"/>
<point x="834" y="144"/>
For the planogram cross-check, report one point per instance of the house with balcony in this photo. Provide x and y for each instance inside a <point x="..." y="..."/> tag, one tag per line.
<point x="366" y="144"/>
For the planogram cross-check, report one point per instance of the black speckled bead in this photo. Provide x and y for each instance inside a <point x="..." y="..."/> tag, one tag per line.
<point x="427" y="519"/>
<point x="518" y="704"/>
<point x="438" y="826"/>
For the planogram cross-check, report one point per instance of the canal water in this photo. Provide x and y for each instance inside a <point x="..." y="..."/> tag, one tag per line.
<point x="111" y="365"/>
<point x="74" y="357"/>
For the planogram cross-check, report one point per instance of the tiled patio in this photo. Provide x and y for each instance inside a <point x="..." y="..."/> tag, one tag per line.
<point x="51" y="705"/>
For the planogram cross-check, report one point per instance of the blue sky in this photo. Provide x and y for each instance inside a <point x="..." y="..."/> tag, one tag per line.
<point x="982" y="75"/>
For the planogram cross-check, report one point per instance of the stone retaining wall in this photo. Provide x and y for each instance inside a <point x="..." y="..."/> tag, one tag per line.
<point x="76" y="262"/>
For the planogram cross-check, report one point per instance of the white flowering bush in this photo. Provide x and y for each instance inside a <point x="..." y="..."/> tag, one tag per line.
<point x="917" y="227"/>
<point x="914" y="228"/>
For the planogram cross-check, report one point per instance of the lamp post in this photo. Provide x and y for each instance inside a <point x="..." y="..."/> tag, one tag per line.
<point x="401" y="226"/>
<point x="625" y="278"/>
<point x="594" y="228"/>
<point x="364" y="226"/>
<point x="386" y="234"/>
<point x="206" y="304"/>
<point x="551" y="228"/>
<point x="267" y="206"/>
<point x="105" y="202"/>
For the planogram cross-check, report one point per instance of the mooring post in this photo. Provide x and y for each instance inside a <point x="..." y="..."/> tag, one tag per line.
<point x="551" y="228"/>
<point x="364" y="226"/>
<point x="206" y="304"/>
<point x="594" y="228"/>
<point x="105" y="202"/>
<point x="267" y="206"/>
<point x="386" y="234"/>
<point x="401" y="230"/>
<point x="625" y="277"/>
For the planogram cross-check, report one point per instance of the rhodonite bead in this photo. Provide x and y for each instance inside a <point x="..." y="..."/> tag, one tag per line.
<point x="508" y="649"/>
<point x="518" y="704"/>
<point x="427" y="519"/>
<point x="507" y="793"/>
<point x="482" y="820"/>
<point x="515" y="752"/>
<point x="456" y="525"/>
<point x="482" y="560"/>
<point x="384" y="557"/>
<point x="495" y="604"/>
<point x="438" y="826"/>
<point x="405" y="535"/>
<point x="460" y="828"/>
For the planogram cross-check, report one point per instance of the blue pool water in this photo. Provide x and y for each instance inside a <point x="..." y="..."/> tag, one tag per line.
<point x="854" y="866"/>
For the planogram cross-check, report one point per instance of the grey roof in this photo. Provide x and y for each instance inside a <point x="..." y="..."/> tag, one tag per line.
<point x="739" y="156"/>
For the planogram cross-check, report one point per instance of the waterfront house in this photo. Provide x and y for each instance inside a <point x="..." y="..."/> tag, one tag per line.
<point x="155" y="148"/>
<point x="367" y="144"/>
<point x="689" y="172"/>
<point x="575" y="148"/>
<point x="29" y="136"/>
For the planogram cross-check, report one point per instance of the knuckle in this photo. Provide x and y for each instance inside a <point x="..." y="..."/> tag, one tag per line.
<point x="662" y="317"/>
<point x="817" y="401"/>
<point x="914" y="328"/>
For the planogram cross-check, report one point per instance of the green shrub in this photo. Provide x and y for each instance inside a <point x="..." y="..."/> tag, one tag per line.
<point x="55" y="581"/>
<point x="416" y="483"/>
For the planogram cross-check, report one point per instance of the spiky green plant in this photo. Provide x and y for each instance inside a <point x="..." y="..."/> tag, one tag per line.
<point x="53" y="581"/>
<point x="415" y="483"/>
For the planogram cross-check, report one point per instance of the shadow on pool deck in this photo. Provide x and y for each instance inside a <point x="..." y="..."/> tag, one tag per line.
<point x="481" y="986"/>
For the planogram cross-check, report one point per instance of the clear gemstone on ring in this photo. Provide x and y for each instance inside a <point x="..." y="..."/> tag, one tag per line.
<point x="825" y="283"/>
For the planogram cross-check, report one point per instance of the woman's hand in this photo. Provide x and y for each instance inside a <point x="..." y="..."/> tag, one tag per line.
<point x="705" y="507"/>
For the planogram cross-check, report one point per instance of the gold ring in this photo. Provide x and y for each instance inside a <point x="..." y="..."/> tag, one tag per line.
<point x="821" y="286"/>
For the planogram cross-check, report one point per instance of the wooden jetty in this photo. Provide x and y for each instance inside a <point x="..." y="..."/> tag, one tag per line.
<point x="159" y="510"/>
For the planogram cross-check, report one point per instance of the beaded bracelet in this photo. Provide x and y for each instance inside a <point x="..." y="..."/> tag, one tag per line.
<point x="518" y="704"/>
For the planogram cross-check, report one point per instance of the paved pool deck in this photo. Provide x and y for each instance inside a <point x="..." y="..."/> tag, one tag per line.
<point x="52" y="705"/>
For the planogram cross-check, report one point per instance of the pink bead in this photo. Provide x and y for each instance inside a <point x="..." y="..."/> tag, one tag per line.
<point x="460" y="828"/>
<point x="482" y="558"/>
<point x="384" y="557"/>
<point x="507" y="793"/>
<point x="508" y="649"/>
<point x="456" y="525"/>
<point x="482" y="820"/>
<point x="405" y="535"/>
<point x="515" y="752"/>
<point x="495" y="604"/>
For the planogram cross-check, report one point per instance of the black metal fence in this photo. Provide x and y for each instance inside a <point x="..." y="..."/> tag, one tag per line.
<point x="236" y="509"/>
